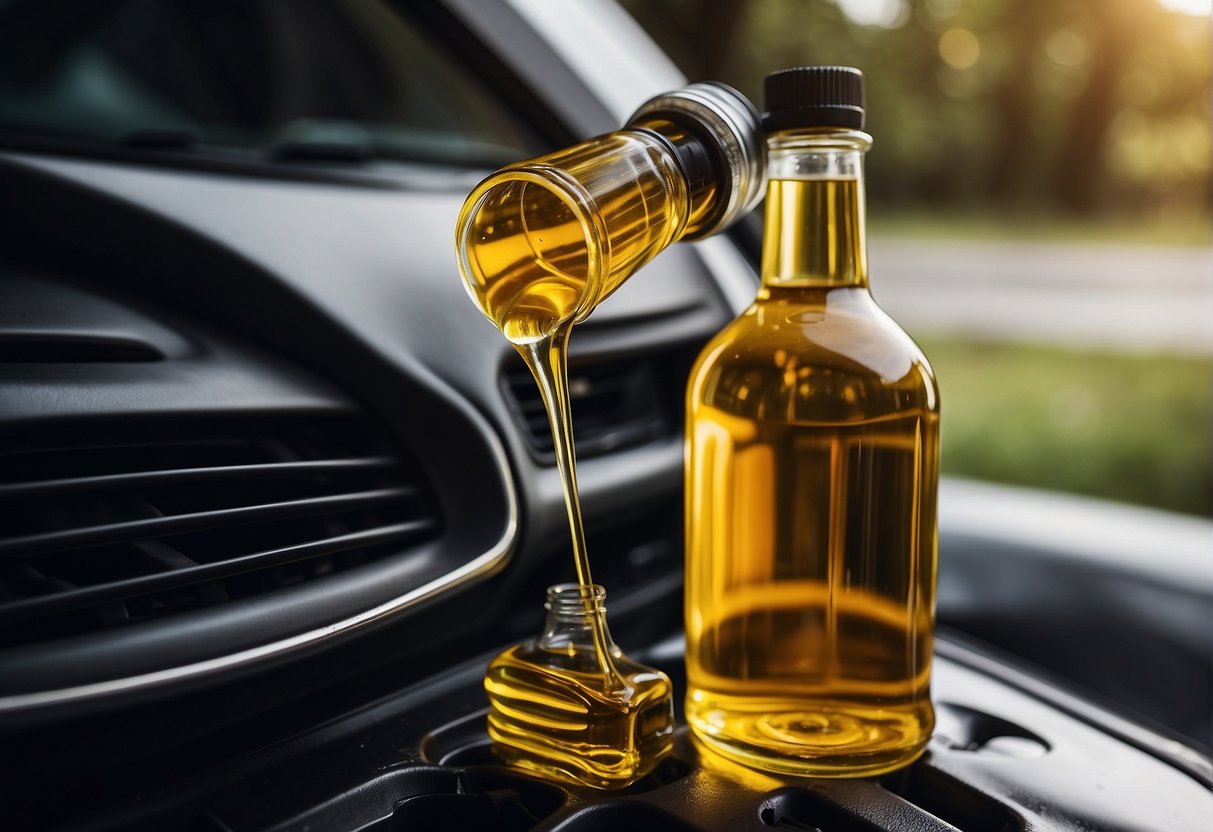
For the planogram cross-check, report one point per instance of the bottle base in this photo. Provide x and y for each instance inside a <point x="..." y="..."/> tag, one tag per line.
<point x="829" y="741"/>
<point x="569" y="769"/>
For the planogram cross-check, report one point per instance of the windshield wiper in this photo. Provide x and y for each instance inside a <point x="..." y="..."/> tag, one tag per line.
<point x="160" y="138"/>
<point x="322" y="140"/>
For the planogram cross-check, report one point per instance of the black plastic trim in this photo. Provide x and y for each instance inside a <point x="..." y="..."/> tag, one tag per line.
<point x="397" y="533"/>
<point x="157" y="526"/>
<point x="178" y="476"/>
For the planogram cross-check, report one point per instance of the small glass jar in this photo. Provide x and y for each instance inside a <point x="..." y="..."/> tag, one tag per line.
<point x="570" y="706"/>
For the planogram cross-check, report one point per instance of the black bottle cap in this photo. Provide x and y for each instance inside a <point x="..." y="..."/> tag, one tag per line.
<point x="813" y="96"/>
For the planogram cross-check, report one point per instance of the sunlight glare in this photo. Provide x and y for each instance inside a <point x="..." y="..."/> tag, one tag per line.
<point x="1202" y="8"/>
<point x="886" y="14"/>
<point x="959" y="48"/>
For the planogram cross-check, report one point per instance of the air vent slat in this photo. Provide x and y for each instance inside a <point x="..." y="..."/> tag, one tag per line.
<point x="111" y="524"/>
<point x="73" y="599"/>
<point x="615" y="405"/>
<point x="176" y="524"/>
<point x="182" y="476"/>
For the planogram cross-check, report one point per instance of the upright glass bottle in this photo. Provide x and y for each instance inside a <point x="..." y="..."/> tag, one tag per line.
<point x="812" y="471"/>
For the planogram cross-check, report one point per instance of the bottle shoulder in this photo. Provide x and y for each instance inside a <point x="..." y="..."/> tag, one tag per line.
<point x="565" y="657"/>
<point x="826" y="354"/>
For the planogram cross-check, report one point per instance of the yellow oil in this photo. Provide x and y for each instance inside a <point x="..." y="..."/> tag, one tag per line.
<point x="540" y="258"/>
<point x="565" y="724"/>
<point x="539" y="263"/>
<point x="811" y="540"/>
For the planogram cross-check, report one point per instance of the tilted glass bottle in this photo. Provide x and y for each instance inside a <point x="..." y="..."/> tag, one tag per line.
<point x="812" y="471"/>
<point x="542" y="242"/>
<point x="557" y="710"/>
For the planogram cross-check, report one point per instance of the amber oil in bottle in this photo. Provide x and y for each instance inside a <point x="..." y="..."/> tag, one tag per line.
<point x="812" y="448"/>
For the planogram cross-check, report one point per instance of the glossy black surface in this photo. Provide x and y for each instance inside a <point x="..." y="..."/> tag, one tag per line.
<point x="1004" y="758"/>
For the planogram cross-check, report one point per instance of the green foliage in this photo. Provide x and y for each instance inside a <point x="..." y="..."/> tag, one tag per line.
<point x="1130" y="428"/>
<point x="1184" y="230"/>
<point x="1027" y="107"/>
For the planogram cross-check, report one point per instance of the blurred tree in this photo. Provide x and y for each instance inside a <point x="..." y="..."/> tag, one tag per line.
<point x="1080" y="164"/>
<point x="1014" y="98"/>
<point x="1090" y="107"/>
<point x="699" y="35"/>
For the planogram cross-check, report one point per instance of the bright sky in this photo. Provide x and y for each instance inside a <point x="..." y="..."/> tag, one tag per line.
<point x="1202" y="7"/>
<point x="890" y="13"/>
<point x="883" y="13"/>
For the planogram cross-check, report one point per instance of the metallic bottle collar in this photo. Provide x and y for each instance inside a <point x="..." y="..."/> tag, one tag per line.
<point x="734" y="122"/>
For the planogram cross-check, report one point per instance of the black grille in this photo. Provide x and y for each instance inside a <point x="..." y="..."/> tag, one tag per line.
<point x="111" y="526"/>
<point x="615" y="405"/>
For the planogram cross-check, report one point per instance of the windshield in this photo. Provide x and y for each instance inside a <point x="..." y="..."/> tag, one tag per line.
<point x="343" y="79"/>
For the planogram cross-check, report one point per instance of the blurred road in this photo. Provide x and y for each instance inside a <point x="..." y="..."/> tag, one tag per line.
<point x="1126" y="298"/>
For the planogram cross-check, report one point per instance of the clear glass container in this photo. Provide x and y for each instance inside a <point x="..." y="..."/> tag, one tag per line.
<point x="542" y="242"/>
<point x="812" y="471"/>
<point x="571" y="706"/>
